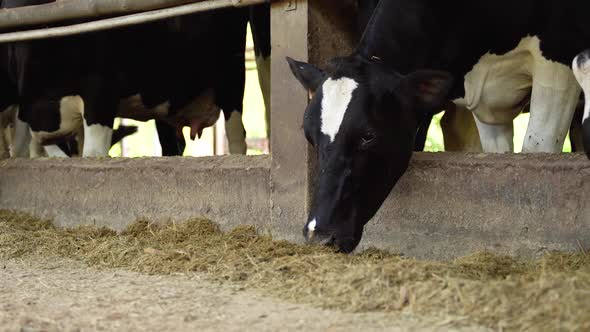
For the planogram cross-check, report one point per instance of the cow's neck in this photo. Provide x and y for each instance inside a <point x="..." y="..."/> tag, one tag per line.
<point x="400" y="34"/>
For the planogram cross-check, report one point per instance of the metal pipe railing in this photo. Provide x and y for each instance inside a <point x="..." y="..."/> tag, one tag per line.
<point x="86" y="10"/>
<point x="121" y="21"/>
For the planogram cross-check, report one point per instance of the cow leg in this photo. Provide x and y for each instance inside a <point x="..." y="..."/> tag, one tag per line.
<point x="80" y="141"/>
<point x="4" y="148"/>
<point x="260" y="24"/>
<point x="55" y="151"/>
<point x="553" y="101"/>
<point x="459" y="130"/>
<point x="581" y="67"/>
<point x="230" y="95"/>
<point x="22" y="138"/>
<point x="36" y="150"/>
<point x="422" y="134"/>
<point x="495" y="120"/>
<point x="123" y="131"/>
<point x="97" y="138"/>
<point x="236" y="133"/>
<point x="171" y="145"/>
<point x="263" y="66"/>
<point x="100" y="108"/>
<point x="576" y="133"/>
<point x="6" y="122"/>
<point x="496" y="138"/>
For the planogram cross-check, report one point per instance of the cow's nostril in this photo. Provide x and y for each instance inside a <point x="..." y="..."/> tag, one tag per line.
<point x="318" y="238"/>
<point x="326" y="241"/>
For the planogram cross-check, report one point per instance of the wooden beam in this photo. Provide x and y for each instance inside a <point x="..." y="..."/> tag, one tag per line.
<point x="292" y="159"/>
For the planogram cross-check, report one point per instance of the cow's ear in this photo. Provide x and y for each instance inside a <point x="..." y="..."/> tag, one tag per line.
<point x="430" y="88"/>
<point x="308" y="75"/>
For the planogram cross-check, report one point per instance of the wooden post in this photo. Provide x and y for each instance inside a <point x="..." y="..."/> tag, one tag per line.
<point x="311" y="31"/>
<point x="291" y="155"/>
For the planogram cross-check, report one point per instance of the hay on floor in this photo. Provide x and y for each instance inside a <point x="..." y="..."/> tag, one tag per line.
<point x="552" y="293"/>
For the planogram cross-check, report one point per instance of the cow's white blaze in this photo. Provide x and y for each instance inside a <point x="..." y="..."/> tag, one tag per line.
<point x="337" y="95"/>
<point x="312" y="225"/>
<point x="97" y="140"/>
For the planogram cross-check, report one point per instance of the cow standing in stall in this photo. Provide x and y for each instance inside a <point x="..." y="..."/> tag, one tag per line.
<point x="368" y="106"/>
<point x="181" y="71"/>
<point x="232" y="92"/>
<point x="259" y="18"/>
<point x="458" y="125"/>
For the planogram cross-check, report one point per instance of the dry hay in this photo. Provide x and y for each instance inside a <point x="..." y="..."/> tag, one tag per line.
<point x="552" y="293"/>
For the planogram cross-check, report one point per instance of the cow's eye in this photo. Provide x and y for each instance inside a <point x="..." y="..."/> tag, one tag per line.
<point x="367" y="139"/>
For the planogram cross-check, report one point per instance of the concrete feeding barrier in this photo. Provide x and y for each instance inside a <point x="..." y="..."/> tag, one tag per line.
<point x="116" y="192"/>
<point x="452" y="204"/>
<point x="447" y="205"/>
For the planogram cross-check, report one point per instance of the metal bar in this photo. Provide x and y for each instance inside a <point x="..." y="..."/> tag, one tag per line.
<point x="127" y="20"/>
<point x="62" y="10"/>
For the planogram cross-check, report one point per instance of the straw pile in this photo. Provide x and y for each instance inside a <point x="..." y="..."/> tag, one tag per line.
<point x="552" y="293"/>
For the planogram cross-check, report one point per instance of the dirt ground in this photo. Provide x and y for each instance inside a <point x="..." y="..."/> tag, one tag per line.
<point x="64" y="295"/>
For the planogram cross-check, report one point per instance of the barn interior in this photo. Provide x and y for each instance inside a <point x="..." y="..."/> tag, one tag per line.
<point x="448" y="205"/>
<point x="511" y="204"/>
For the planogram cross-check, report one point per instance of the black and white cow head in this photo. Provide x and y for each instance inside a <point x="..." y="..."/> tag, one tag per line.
<point x="362" y="120"/>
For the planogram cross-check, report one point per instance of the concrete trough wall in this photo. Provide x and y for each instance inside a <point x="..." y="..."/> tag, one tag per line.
<point x="452" y="204"/>
<point x="445" y="206"/>
<point x="116" y="192"/>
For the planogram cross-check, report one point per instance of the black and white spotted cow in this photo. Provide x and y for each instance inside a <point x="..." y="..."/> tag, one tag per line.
<point x="46" y="71"/>
<point x="181" y="71"/>
<point x="232" y="73"/>
<point x="459" y="128"/>
<point x="368" y="106"/>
